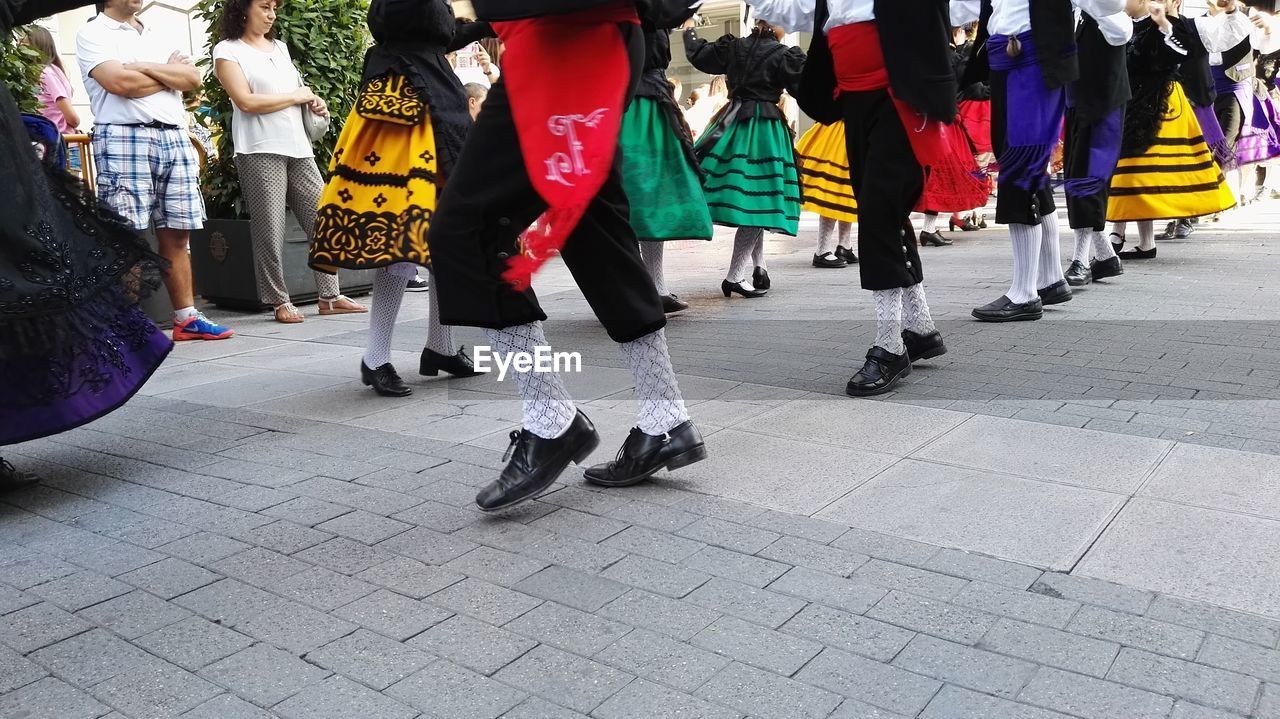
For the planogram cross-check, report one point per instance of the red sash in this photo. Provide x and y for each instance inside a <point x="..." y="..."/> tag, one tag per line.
<point x="567" y="78"/>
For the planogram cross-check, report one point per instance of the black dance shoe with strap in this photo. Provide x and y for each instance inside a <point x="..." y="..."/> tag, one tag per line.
<point x="642" y="455"/>
<point x="760" y="279"/>
<point x="535" y="464"/>
<point x="882" y="371"/>
<point x="847" y="254"/>
<point x="384" y="380"/>
<point x="736" y="288"/>
<point x="459" y="365"/>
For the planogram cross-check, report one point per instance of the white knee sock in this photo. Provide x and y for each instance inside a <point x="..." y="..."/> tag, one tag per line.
<point x="744" y="243"/>
<point x="1049" y="266"/>
<point x="388" y="293"/>
<point x="930" y="222"/>
<point x="661" y="407"/>
<point x="915" y="310"/>
<point x="826" y="235"/>
<point x="757" y="253"/>
<point x="889" y="319"/>
<point x="846" y="234"/>
<point x="652" y="253"/>
<point x="1146" y="235"/>
<point x="1102" y="249"/>
<point x="547" y="407"/>
<point x="1084" y="246"/>
<point x="1026" y="257"/>
<point x="439" y="336"/>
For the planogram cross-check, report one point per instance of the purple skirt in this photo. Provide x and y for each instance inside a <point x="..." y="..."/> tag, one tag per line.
<point x="1258" y="136"/>
<point x="116" y="351"/>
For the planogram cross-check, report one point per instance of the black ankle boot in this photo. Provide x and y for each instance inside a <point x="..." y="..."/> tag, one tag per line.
<point x="882" y="371"/>
<point x="535" y="464"/>
<point x="923" y="347"/>
<point x="384" y="380"/>
<point x="459" y="365"/>
<point x="644" y="454"/>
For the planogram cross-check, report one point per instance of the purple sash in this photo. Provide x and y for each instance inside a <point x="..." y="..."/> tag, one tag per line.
<point x="1034" y="121"/>
<point x="1104" y="154"/>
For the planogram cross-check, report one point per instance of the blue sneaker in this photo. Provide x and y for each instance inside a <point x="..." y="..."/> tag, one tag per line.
<point x="198" y="327"/>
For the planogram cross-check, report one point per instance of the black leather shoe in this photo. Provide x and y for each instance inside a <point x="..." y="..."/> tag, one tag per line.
<point x="923" y="347"/>
<point x="1138" y="253"/>
<point x="1102" y="269"/>
<point x="760" y="279"/>
<point x="535" y="463"/>
<point x="881" y="372"/>
<point x="1117" y="246"/>
<point x="846" y="254"/>
<point x="384" y="380"/>
<point x="934" y="238"/>
<point x="1055" y="294"/>
<point x="732" y="288"/>
<point x="965" y="225"/>
<point x="1078" y="275"/>
<point x="644" y="454"/>
<point x="11" y="478"/>
<point x="1006" y="310"/>
<point x="829" y="261"/>
<point x="459" y="365"/>
<point x="672" y="304"/>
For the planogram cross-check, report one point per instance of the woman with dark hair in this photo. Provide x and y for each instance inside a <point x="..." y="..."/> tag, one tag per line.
<point x="399" y="145"/>
<point x="73" y="344"/>
<point x="274" y="157"/>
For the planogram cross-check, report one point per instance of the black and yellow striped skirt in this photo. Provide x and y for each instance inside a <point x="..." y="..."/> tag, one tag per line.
<point x="823" y="161"/>
<point x="1175" y="178"/>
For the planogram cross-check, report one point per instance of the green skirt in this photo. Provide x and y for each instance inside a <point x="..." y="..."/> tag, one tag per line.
<point x="751" y="175"/>
<point x="659" y="176"/>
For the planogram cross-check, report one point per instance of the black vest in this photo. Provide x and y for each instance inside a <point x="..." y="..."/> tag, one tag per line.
<point x="1195" y="76"/>
<point x="1104" y="79"/>
<point x="1052" y="30"/>
<point x="1237" y="57"/>
<point x="916" y="41"/>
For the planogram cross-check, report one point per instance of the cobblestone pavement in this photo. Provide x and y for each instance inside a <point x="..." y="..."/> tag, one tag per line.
<point x="258" y="536"/>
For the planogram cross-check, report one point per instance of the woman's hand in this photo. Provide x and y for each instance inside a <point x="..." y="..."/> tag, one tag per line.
<point x="319" y="107"/>
<point x="304" y="96"/>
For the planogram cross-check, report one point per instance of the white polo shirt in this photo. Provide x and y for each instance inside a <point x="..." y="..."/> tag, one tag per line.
<point x="103" y="40"/>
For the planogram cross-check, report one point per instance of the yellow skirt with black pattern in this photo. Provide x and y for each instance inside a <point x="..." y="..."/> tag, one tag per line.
<point x="383" y="184"/>
<point x="823" y="161"/>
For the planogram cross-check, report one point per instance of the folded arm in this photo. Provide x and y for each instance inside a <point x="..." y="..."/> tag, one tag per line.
<point x="231" y="75"/>
<point x="174" y="75"/>
<point x="116" y="79"/>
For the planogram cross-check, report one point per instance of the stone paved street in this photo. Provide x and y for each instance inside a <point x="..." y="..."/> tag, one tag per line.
<point x="1076" y="518"/>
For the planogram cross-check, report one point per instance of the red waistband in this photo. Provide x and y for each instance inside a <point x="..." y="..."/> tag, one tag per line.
<point x="858" y="58"/>
<point x="623" y="12"/>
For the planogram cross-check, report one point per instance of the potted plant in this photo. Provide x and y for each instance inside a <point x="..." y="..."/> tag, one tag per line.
<point x="327" y="40"/>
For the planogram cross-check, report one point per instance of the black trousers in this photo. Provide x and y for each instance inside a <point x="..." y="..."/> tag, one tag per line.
<point x="490" y="200"/>
<point x="1085" y="212"/>
<point x="1013" y="204"/>
<point x="1230" y="116"/>
<point x="888" y="182"/>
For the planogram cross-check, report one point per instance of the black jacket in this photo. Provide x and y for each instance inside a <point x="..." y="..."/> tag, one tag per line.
<point x="1103" y="86"/>
<point x="916" y="40"/>
<point x="757" y="68"/>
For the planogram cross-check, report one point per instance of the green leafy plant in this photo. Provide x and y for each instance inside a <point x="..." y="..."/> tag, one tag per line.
<point x="20" y="68"/>
<point x="327" y="39"/>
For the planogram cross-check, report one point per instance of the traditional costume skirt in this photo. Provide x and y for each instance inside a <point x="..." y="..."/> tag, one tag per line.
<point x="1258" y="139"/>
<point x="1214" y="137"/>
<point x="383" y="187"/>
<point x="823" y="159"/>
<point x="750" y="169"/>
<point x="1174" y="178"/>
<point x="667" y="202"/>
<point x="73" y="344"/>
<point x="975" y="118"/>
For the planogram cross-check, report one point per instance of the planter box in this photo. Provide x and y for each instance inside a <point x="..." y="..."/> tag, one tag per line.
<point x="222" y="262"/>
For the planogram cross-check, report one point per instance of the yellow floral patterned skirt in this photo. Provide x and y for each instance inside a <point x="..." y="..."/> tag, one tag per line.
<point x="381" y="195"/>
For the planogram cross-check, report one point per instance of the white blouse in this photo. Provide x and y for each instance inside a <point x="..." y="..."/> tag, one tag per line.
<point x="798" y="15"/>
<point x="270" y="73"/>
<point x="1013" y="17"/>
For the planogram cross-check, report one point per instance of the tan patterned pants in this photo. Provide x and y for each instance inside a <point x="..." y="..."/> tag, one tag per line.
<point x="270" y="185"/>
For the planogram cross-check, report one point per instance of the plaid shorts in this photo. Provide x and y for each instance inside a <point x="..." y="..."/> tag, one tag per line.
<point x="149" y="175"/>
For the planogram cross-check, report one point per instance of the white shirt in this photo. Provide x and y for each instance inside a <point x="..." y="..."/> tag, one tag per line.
<point x="798" y="15"/>
<point x="1013" y="17"/>
<point x="103" y="40"/>
<point x="269" y="73"/>
<point x="1117" y="29"/>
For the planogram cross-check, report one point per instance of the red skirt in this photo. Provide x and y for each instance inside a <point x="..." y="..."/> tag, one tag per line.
<point x="975" y="117"/>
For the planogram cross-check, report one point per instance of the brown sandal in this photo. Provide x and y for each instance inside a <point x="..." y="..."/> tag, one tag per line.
<point x="341" y="305"/>
<point x="288" y="314"/>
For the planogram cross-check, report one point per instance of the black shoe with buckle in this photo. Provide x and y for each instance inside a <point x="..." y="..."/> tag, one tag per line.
<point x="923" y="347"/>
<point x="1006" y="310"/>
<point x="11" y="478"/>
<point x="433" y="363"/>
<point x="828" y="261"/>
<point x="384" y="380"/>
<point x="846" y="254"/>
<point x="1055" y="294"/>
<point x="760" y="279"/>
<point x="535" y="464"/>
<point x="882" y="371"/>
<point x="1110" y="267"/>
<point x="672" y="304"/>
<point x="1078" y="274"/>
<point x="642" y="455"/>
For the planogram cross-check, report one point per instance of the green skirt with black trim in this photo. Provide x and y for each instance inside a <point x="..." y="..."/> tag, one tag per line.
<point x="661" y="181"/>
<point x="751" y="178"/>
